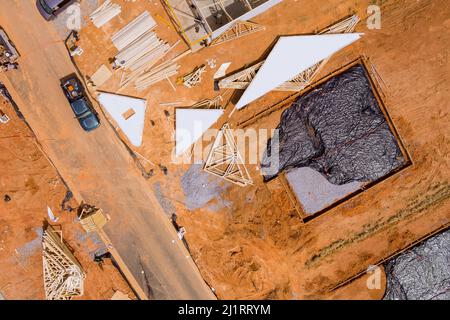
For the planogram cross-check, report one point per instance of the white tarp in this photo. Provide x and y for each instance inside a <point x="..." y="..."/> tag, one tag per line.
<point x="191" y="124"/>
<point x="117" y="106"/>
<point x="290" y="56"/>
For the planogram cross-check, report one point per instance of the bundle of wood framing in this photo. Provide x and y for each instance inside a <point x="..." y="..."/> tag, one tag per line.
<point x="104" y="13"/>
<point x="133" y="31"/>
<point x="63" y="275"/>
<point x="144" y="73"/>
<point x="157" y="74"/>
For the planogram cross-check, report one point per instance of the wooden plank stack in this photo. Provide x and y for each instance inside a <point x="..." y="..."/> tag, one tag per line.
<point x="133" y="31"/>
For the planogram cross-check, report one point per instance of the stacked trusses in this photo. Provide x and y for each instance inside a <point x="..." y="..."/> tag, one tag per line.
<point x="242" y="79"/>
<point x="63" y="275"/>
<point x="239" y="29"/>
<point x="225" y="161"/>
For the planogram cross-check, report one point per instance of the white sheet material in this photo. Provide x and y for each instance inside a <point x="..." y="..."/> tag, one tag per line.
<point x="290" y="56"/>
<point x="222" y="70"/>
<point x="191" y="124"/>
<point x="117" y="105"/>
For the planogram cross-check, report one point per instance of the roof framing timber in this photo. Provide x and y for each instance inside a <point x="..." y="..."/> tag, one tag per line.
<point x="238" y="30"/>
<point x="63" y="275"/>
<point x="225" y="161"/>
<point x="242" y="79"/>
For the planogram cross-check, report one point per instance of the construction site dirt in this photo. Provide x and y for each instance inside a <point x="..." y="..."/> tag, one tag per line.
<point x="255" y="234"/>
<point x="253" y="242"/>
<point x="28" y="185"/>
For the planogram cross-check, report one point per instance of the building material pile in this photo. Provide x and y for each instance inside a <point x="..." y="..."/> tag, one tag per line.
<point x="242" y="79"/>
<point x="63" y="275"/>
<point x="140" y="49"/>
<point x="146" y="50"/>
<point x="104" y="13"/>
<point x="161" y="72"/>
<point x="133" y="31"/>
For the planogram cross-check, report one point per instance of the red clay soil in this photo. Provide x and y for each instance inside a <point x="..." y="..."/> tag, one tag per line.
<point x="32" y="183"/>
<point x="257" y="246"/>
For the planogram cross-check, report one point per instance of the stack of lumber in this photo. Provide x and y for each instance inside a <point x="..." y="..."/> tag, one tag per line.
<point x="133" y="31"/>
<point x="143" y="72"/>
<point x="104" y="13"/>
<point x="157" y="74"/>
<point x="146" y="49"/>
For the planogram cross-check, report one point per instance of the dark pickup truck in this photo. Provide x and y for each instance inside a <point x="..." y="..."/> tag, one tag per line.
<point x="81" y="106"/>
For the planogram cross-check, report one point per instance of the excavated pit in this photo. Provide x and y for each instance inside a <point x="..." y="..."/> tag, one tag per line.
<point x="339" y="130"/>
<point x="421" y="273"/>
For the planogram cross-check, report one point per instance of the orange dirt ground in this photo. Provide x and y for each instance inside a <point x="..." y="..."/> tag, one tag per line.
<point x="256" y="246"/>
<point x="33" y="184"/>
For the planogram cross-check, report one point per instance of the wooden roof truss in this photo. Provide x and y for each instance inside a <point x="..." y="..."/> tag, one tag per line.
<point x="63" y="275"/>
<point x="242" y="79"/>
<point x="225" y="161"/>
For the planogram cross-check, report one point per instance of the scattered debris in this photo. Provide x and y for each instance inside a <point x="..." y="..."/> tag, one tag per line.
<point x="117" y="107"/>
<point x="51" y="216"/>
<point x="67" y="198"/>
<point x="211" y="63"/>
<point x="8" y="53"/>
<point x="3" y="117"/>
<point x="220" y="73"/>
<point x="119" y="295"/>
<point x="163" y="169"/>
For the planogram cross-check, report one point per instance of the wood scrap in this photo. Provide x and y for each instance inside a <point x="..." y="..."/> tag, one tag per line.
<point x="193" y="78"/>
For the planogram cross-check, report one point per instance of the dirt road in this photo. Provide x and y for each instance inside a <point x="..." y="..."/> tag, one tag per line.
<point x="96" y="166"/>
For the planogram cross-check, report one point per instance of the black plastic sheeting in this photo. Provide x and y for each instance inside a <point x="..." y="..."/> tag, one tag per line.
<point x="339" y="130"/>
<point x="421" y="273"/>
